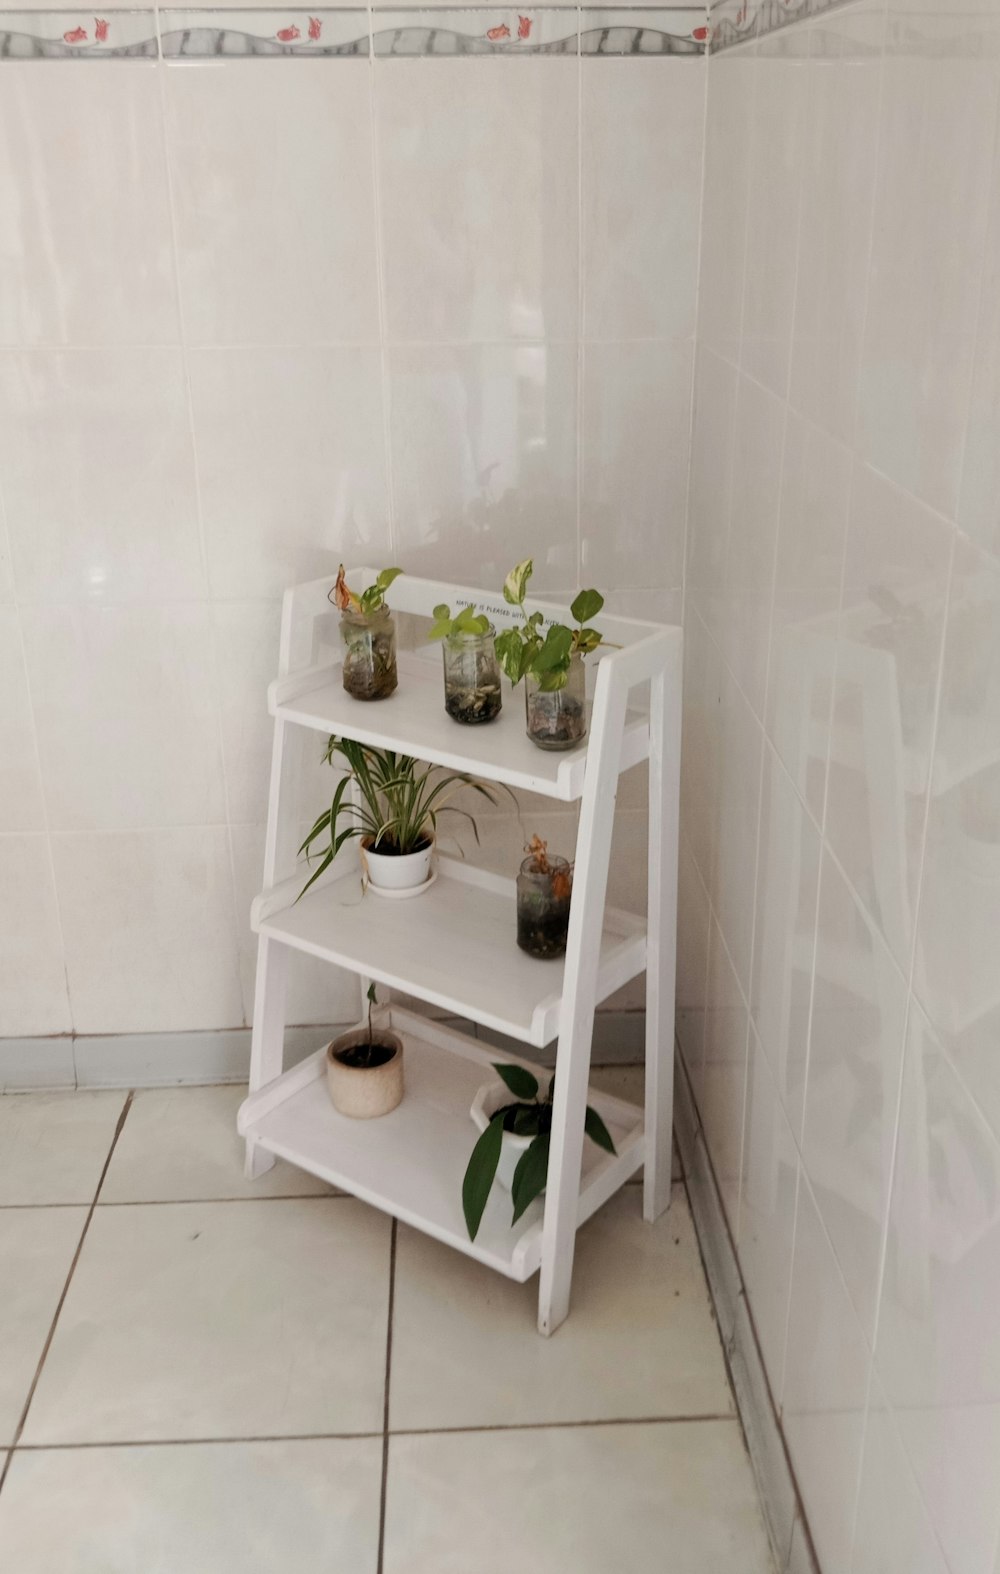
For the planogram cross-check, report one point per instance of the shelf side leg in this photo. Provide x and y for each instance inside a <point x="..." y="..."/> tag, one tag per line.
<point x="267" y="1044"/>
<point x="661" y="934"/>
<point x="583" y="947"/>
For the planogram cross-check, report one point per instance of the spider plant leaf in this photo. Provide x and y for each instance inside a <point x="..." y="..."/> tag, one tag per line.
<point x="480" y="1173"/>
<point x="327" y="861"/>
<point x="530" y="1176"/>
<point x="597" y="1131"/>
<point x="521" y="1083"/>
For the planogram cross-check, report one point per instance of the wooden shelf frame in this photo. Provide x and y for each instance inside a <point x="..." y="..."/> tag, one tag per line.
<point x="635" y="715"/>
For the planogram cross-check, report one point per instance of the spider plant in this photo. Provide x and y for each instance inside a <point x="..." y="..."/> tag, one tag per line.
<point x="397" y="808"/>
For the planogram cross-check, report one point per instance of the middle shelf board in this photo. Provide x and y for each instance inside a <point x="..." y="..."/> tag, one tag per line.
<point x="454" y="945"/>
<point x="410" y="1163"/>
<point x="414" y="721"/>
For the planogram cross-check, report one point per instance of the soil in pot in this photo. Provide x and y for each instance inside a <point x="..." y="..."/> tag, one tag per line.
<point x="365" y="1057"/>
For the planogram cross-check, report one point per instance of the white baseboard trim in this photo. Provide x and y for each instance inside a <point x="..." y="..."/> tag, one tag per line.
<point x="786" y="1523"/>
<point x="158" y="1060"/>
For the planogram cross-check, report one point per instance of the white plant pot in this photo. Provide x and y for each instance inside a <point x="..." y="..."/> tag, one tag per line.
<point x="364" y="1092"/>
<point x="486" y="1102"/>
<point x="391" y="872"/>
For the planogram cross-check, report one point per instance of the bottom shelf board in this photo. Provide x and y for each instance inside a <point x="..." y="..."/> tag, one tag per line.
<point x="410" y="1163"/>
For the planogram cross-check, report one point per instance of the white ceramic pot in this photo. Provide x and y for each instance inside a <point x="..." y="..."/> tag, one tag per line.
<point x="486" y="1102"/>
<point x="392" y="872"/>
<point x="364" y="1092"/>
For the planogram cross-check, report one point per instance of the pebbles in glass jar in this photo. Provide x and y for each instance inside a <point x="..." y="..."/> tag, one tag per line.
<point x="471" y="677"/>
<point x="369" y="654"/>
<point x="557" y="718"/>
<point x="544" y="890"/>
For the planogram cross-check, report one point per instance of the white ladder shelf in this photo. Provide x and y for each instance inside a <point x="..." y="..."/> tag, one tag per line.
<point x="461" y="956"/>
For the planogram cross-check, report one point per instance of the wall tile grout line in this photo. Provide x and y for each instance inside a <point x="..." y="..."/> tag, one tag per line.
<point x="390" y="1312"/>
<point x="123" y="1116"/>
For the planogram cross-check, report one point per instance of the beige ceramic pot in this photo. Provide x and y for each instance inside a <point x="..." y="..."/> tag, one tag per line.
<point x="364" y="1092"/>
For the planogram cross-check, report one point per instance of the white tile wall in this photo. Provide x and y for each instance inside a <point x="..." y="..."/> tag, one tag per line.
<point x="274" y="203"/>
<point x="86" y="254"/>
<point x="462" y="149"/>
<point x="848" y="277"/>
<point x="98" y="476"/>
<point x="255" y="317"/>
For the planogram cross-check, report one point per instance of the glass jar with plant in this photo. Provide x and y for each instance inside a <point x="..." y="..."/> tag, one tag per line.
<point x="369" y="637"/>
<point x="551" y="663"/>
<point x="544" y="890"/>
<point x="513" y="1147"/>
<point x="364" y="1069"/>
<point x="471" y="670"/>
<point x="394" y="815"/>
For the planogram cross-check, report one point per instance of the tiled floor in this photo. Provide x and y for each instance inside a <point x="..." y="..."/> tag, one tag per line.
<point x="201" y="1375"/>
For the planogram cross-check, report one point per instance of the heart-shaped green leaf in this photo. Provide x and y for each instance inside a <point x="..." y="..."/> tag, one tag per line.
<point x="516" y="583"/>
<point x="597" y="1131"/>
<point x="480" y="1174"/>
<point x="530" y="1176"/>
<point x="587" y="605"/>
<point x="555" y="649"/>
<point x="521" y="1083"/>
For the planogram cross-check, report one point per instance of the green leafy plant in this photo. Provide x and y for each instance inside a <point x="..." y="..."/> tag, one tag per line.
<point x="370" y="600"/>
<point x="400" y="799"/>
<point x="527" y="1115"/>
<point x="467" y="621"/>
<point x="547" y="656"/>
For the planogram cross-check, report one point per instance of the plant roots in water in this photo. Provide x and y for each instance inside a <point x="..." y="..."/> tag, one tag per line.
<point x="473" y="706"/>
<point x="555" y="721"/>
<point x="371" y="677"/>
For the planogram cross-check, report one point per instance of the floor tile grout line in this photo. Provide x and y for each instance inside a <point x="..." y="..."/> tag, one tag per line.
<point x="390" y="1311"/>
<point x="368" y="1437"/>
<point x="180" y="1202"/>
<point x="206" y="1202"/>
<point x="123" y="1116"/>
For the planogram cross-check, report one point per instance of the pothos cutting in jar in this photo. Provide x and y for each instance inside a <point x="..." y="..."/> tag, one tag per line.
<point x="368" y="636"/>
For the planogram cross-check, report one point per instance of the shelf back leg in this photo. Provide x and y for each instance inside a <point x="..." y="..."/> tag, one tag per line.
<point x="661" y="934"/>
<point x="586" y="922"/>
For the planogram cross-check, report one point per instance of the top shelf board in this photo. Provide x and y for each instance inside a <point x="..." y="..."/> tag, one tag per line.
<point x="414" y="721"/>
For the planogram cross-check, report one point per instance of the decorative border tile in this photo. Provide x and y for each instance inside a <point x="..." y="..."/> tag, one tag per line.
<point x="78" y="35"/>
<point x="228" y="32"/>
<point x="733" y="22"/>
<point x="251" y="34"/>
<point x="552" y="30"/>
<point x="670" y="31"/>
